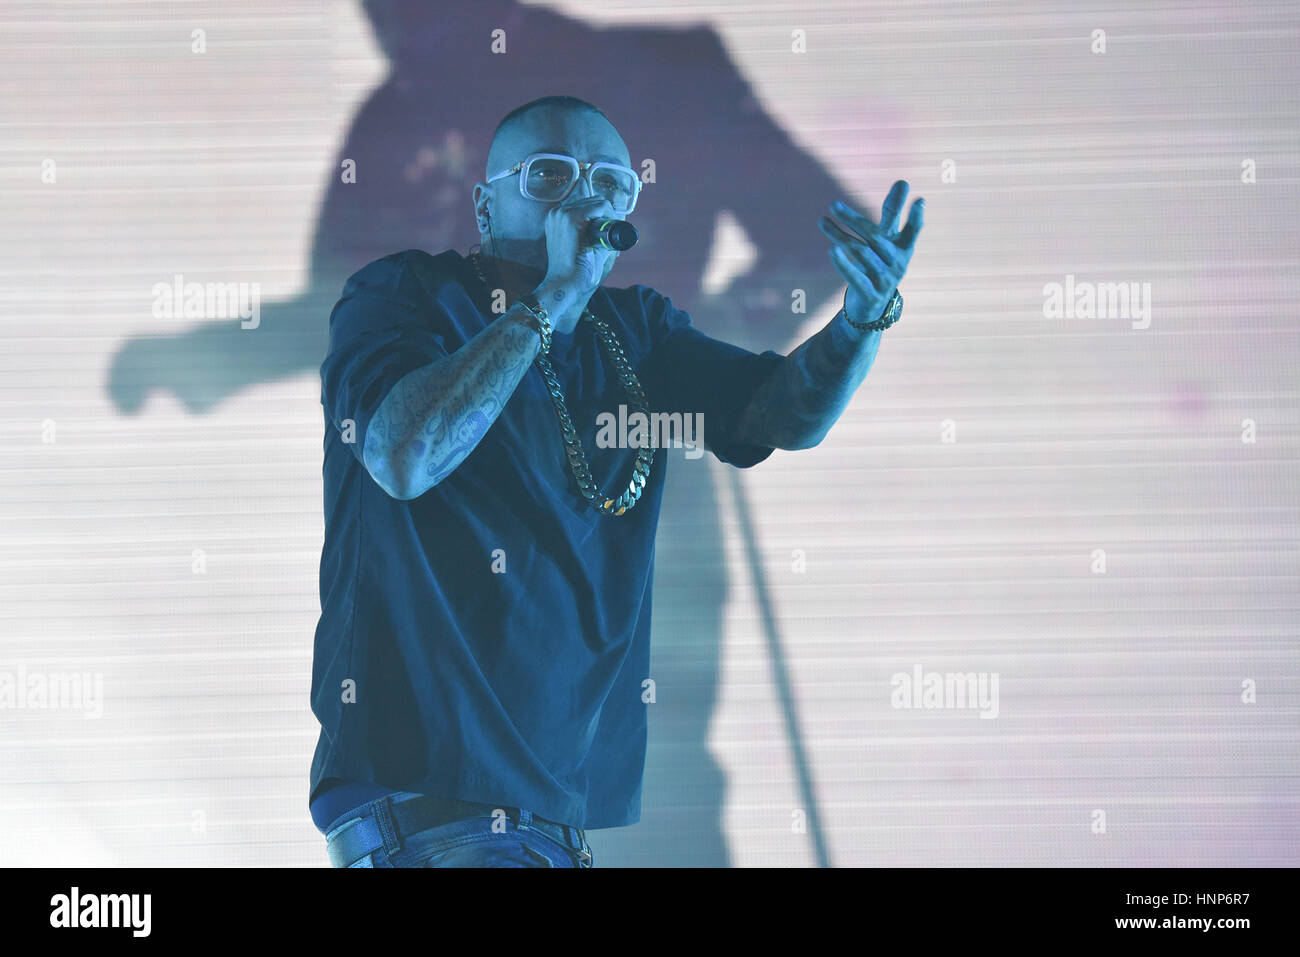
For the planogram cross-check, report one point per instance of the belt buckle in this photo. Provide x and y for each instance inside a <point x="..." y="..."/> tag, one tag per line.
<point x="583" y="851"/>
<point x="567" y="835"/>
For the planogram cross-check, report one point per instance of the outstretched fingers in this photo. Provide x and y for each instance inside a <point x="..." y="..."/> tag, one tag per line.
<point x="915" y="220"/>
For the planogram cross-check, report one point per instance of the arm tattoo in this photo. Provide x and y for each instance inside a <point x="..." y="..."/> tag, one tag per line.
<point x="436" y="415"/>
<point x="797" y="405"/>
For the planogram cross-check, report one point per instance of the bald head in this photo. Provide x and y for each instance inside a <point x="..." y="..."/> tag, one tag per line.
<point x="511" y="224"/>
<point x="533" y="121"/>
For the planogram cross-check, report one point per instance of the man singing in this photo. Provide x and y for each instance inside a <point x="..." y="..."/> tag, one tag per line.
<point x="487" y="569"/>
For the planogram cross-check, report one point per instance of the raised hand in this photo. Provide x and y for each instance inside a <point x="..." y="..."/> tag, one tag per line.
<point x="873" y="257"/>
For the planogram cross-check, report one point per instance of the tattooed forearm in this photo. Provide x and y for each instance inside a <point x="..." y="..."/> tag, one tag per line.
<point x="806" y="394"/>
<point x="436" y="415"/>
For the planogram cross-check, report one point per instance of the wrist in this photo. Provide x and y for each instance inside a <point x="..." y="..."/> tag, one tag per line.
<point x="537" y="316"/>
<point x="892" y="312"/>
<point x="556" y="295"/>
<point x="562" y="301"/>
<point x="519" y="317"/>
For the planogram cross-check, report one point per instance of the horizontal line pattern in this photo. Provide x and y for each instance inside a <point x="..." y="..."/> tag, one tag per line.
<point x="950" y="520"/>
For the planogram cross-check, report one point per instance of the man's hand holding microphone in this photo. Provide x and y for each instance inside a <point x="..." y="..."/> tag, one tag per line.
<point x="574" y="269"/>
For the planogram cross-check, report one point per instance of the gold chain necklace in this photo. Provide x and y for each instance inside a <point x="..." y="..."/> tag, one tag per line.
<point x="613" y="350"/>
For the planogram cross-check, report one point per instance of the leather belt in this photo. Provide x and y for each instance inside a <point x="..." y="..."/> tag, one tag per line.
<point x="385" y="821"/>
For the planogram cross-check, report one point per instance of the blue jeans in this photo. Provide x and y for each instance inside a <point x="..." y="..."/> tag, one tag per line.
<point x="518" y="840"/>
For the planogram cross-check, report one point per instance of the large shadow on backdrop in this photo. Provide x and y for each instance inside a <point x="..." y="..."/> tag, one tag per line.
<point x="420" y="143"/>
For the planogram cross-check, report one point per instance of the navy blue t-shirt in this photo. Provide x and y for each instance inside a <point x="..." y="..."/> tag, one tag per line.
<point x="488" y="640"/>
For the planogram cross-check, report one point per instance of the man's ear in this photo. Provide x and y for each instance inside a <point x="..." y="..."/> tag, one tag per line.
<point x="481" y="211"/>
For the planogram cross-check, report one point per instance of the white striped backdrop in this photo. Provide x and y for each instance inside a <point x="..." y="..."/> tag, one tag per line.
<point x="1103" y="516"/>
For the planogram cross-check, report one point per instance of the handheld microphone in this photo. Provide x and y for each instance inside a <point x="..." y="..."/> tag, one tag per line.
<point x="616" y="234"/>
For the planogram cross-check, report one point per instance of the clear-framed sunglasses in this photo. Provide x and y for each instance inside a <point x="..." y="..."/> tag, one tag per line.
<point x="549" y="177"/>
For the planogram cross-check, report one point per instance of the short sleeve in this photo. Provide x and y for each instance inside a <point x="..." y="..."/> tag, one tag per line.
<point x="689" y="372"/>
<point x="381" y="329"/>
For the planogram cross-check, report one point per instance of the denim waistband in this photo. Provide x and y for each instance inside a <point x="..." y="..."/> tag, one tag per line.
<point x="386" y="821"/>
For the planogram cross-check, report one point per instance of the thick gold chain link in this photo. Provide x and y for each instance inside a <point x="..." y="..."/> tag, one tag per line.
<point x="613" y="350"/>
